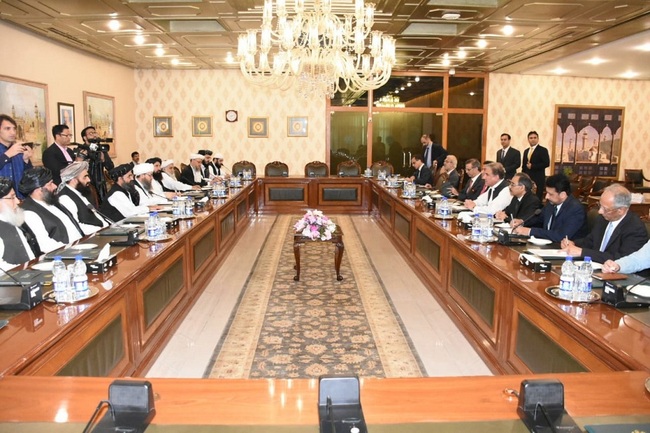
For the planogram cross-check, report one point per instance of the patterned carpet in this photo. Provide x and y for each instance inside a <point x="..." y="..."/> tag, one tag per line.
<point x="287" y="329"/>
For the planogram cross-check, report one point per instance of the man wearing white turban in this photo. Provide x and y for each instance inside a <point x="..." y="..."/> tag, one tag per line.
<point x="74" y="186"/>
<point x="193" y="173"/>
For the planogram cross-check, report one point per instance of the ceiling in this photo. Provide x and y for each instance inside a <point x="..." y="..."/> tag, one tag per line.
<point x="201" y="33"/>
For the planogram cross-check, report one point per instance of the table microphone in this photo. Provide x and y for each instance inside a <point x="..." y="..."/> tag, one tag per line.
<point x="537" y="212"/>
<point x="93" y="209"/>
<point x="28" y="296"/>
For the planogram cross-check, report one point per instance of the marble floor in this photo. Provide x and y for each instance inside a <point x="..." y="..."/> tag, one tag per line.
<point x="443" y="349"/>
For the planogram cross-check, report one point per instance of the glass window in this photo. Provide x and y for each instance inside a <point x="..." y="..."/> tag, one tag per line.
<point x="348" y="138"/>
<point x="464" y="136"/>
<point x="426" y="92"/>
<point x="466" y="92"/>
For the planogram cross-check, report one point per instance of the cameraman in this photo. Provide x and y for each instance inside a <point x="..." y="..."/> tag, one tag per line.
<point x="98" y="159"/>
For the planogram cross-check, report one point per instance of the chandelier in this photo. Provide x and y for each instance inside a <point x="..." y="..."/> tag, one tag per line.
<point x="316" y="49"/>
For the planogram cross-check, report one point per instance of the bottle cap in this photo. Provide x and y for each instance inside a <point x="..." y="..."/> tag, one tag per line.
<point x="587" y="259"/>
<point x="57" y="257"/>
<point x="78" y="257"/>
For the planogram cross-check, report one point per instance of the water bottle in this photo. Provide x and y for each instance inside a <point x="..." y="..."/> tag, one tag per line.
<point x="489" y="227"/>
<point x="567" y="279"/>
<point x="583" y="275"/>
<point x="444" y="207"/>
<point x="476" y="227"/>
<point x="152" y="225"/>
<point x="161" y="229"/>
<point x="189" y="206"/>
<point x="60" y="280"/>
<point x="80" y="279"/>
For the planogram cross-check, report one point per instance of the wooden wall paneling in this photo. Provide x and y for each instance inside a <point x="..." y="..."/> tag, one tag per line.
<point x="203" y="244"/>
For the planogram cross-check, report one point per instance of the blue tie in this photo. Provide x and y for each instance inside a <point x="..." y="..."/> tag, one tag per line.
<point x="608" y="234"/>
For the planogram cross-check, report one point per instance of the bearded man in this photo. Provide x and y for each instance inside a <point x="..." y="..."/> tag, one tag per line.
<point x="18" y="242"/>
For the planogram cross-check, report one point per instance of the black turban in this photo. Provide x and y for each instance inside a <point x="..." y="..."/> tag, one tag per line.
<point x="120" y="171"/>
<point x="154" y="160"/>
<point x="34" y="178"/>
<point x="6" y="184"/>
<point x="205" y="152"/>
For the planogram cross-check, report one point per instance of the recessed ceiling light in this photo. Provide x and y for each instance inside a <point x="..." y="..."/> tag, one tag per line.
<point x="630" y="74"/>
<point x="596" y="61"/>
<point x="644" y="47"/>
<point x="559" y="71"/>
<point x="417" y="79"/>
<point x="481" y="43"/>
<point x="401" y="88"/>
<point x="175" y="61"/>
<point x="160" y="51"/>
<point x="138" y="39"/>
<point x="408" y="84"/>
<point x="450" y="16"/>
<point x="472" y="93"/>
<point x="114" y="25"/>
<point x="507" y="30"/>
<point x="396" y="90"/>
<point x="446" y="62"/>
<point x="230" y="58"/>
<point x="462" y="54"/>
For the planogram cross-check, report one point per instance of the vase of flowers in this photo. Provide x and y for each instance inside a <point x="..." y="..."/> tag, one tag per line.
<point x="314" y="225"/>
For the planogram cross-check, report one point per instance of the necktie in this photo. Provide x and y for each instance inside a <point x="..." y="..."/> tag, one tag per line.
<point x="427" y="161"/>
<point x="503" y="154"/>
<point x="608" y="234"/>
<point x="469" y="185"/>
<point x="485" y="187"/>
<point x="490" y="194"/>
<point x="552" y="218"/>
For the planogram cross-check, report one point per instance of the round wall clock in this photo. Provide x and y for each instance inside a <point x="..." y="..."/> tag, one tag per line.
<point x="231" y="115"/>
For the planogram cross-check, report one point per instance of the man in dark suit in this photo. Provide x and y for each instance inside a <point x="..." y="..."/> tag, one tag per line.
<point x="193" y="173"/>
<point x="508" y="156"/>
<point x="422" y="175"/>
<point x="524" y="203"/>
<point x="563" y="216"/>
<point x="616" y="233"/>
<point x="57" y="156"/>
<point x="432" y="152"/>
<point x="536" y="159"/>
<point x="475" y="184"/>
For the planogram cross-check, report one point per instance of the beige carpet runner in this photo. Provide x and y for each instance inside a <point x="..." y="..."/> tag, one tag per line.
<point x="287" y="329"/>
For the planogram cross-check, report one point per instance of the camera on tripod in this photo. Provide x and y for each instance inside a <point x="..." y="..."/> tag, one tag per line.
<point x="100" y="144"/>
<point x="92" y="150"/>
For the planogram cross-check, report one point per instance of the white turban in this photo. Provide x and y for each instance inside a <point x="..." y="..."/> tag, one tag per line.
<point x="166" y="163"/>
<point x="196" y="156"/>
<point x="143" y="169"/>
<point x="218" y="156"/>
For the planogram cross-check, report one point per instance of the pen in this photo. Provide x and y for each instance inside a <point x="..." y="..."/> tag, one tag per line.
<point x="566" y="240"/>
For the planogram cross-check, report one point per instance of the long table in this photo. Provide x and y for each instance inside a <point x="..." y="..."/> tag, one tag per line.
<point x="501" y="306"/>
<point x="121" y="330"/>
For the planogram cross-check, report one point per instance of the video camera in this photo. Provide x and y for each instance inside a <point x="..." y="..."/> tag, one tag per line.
<point x="99" y="144"/>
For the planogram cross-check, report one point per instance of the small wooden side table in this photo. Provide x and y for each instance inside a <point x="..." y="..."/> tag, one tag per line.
<point x="337" y="239"/>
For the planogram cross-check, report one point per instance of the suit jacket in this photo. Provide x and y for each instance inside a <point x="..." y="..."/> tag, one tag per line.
<point x="522" y="209"/>
<point x="539" y="160"/>
<point x="54" y="159"/>
<point x="511" y="162"/>
<point x="629" y="236"/>
<point x="423" y="176"/>
<point x="570" y="221"/>
<point x="187" y="176"/>
<point x="474" y="191"/>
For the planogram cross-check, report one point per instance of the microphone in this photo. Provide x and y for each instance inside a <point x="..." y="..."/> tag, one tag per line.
<point x="15" y="280"/>
<point x="536" y="213"/>
<point x="92" y="209"/>
<point x="23" y="297"/>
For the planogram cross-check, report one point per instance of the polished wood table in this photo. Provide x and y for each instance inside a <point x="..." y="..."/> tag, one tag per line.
<point x="337" y="239"/>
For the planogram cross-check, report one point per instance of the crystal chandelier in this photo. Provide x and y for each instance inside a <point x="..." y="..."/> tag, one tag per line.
<point x="318" y="50"/>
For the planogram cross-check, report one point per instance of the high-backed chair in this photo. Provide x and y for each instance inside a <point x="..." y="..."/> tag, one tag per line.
<point x="183" y="166"/>
<point x="348" y="168"/>
<point x="316" y="169"/>
<point x="382" y="165"/>
<point x="276" y="169"/>
<point x="586" y="184"/>
<point x="634" y="180"/>
<point x="240" y="166"/>
<point x="177" y="173"/>
<point x="599" y="185"/>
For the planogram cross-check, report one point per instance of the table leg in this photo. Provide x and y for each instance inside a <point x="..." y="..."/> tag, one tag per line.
<point x="338" y="255"/>
<point x="296" y="253"/>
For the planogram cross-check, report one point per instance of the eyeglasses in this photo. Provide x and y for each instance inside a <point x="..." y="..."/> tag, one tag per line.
<point x="514" y="184"/>
<point x="600" y="206"/>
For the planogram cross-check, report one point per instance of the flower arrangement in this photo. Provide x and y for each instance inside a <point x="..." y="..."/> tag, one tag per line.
<point x="314" y="225"/>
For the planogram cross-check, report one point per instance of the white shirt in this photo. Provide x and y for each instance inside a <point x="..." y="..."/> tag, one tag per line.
<point x="123" y="203"/>
<point x="148" y="199"/>
<point x="45" y="242"/>
<point x="174" y="184"/>
<point x="71" y="206"/>
<point x="500" y="202"/>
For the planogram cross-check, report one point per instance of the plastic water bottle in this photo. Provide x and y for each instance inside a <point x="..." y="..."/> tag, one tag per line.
<point x="476" y="227"/>
<point x="80" y="279"/>
<point x="60" y="280"/>
<point x="489" y="227"/>
<point x="444" y="207"/>
<point x="152" y="225"/>
<point x="583" y="275"/>
<point x="189" y="206"/>
<point x="567" y="279"/>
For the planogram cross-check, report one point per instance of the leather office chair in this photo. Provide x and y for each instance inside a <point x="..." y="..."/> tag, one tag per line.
<point x="276" y="169"/>
<point x="240" y="166"/>
<point x="586" y="184"/>
<point x="183" y="165"/>
<point x="634" y="180"/>
<point x="382" y="165"/>
<point x="316" y="169"/>
<point x="461" y="178"/>
<point x="599" y="185"/>
<point x="348" y="168"/>
<point x="177" y="173"/>
<point x="592" y="215"/>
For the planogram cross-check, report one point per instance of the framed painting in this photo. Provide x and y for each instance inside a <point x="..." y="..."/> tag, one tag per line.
<point x="99" y="112"/>
<point x="26" y="102"/>
<point x="66" y="117"/>
<point x="163" y="126"/>
<point x="588" y="140"/>
<point x="296" y="126"/>
<point x="202" y="126"/>
<point x="258" y="127"/>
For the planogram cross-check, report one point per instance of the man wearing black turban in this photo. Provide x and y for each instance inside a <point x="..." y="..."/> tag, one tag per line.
<point x="119" y="203"/>
<point x="50" y="222"/>
<point x="18" y="242"/>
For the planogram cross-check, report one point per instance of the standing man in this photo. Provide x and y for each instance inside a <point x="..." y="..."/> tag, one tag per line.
<point x="536" y="159"/>
<point x="135" y="158"/>
<point x="432" y="152"/>
<point x="508" y="156"/>
<point x="422" y="174"/>
<point x="617" y="232"/>
<point x="14" y="157"/>
<point x="98" y="160"/>
<point x="57" y="156"/>
<point x="524" y="203"/>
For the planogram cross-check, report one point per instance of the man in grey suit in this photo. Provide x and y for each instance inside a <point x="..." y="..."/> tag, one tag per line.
<point x="508" y="156"/>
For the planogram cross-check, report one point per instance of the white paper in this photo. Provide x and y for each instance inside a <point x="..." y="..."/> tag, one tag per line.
<point x="104" y="254"/>
<point x="547" y="253"/>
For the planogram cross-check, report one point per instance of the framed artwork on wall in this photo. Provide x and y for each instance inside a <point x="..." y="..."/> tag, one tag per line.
<point x="26" y="102"/>
<point x="66" y="117"/>
<point x="202" y="126"/>
<point x="163" y="126"/>
<point x="258" y="127"/>
<point x="588" y="140"/>
<point x="297" y="126"/>
<point x="99" y="112"/>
